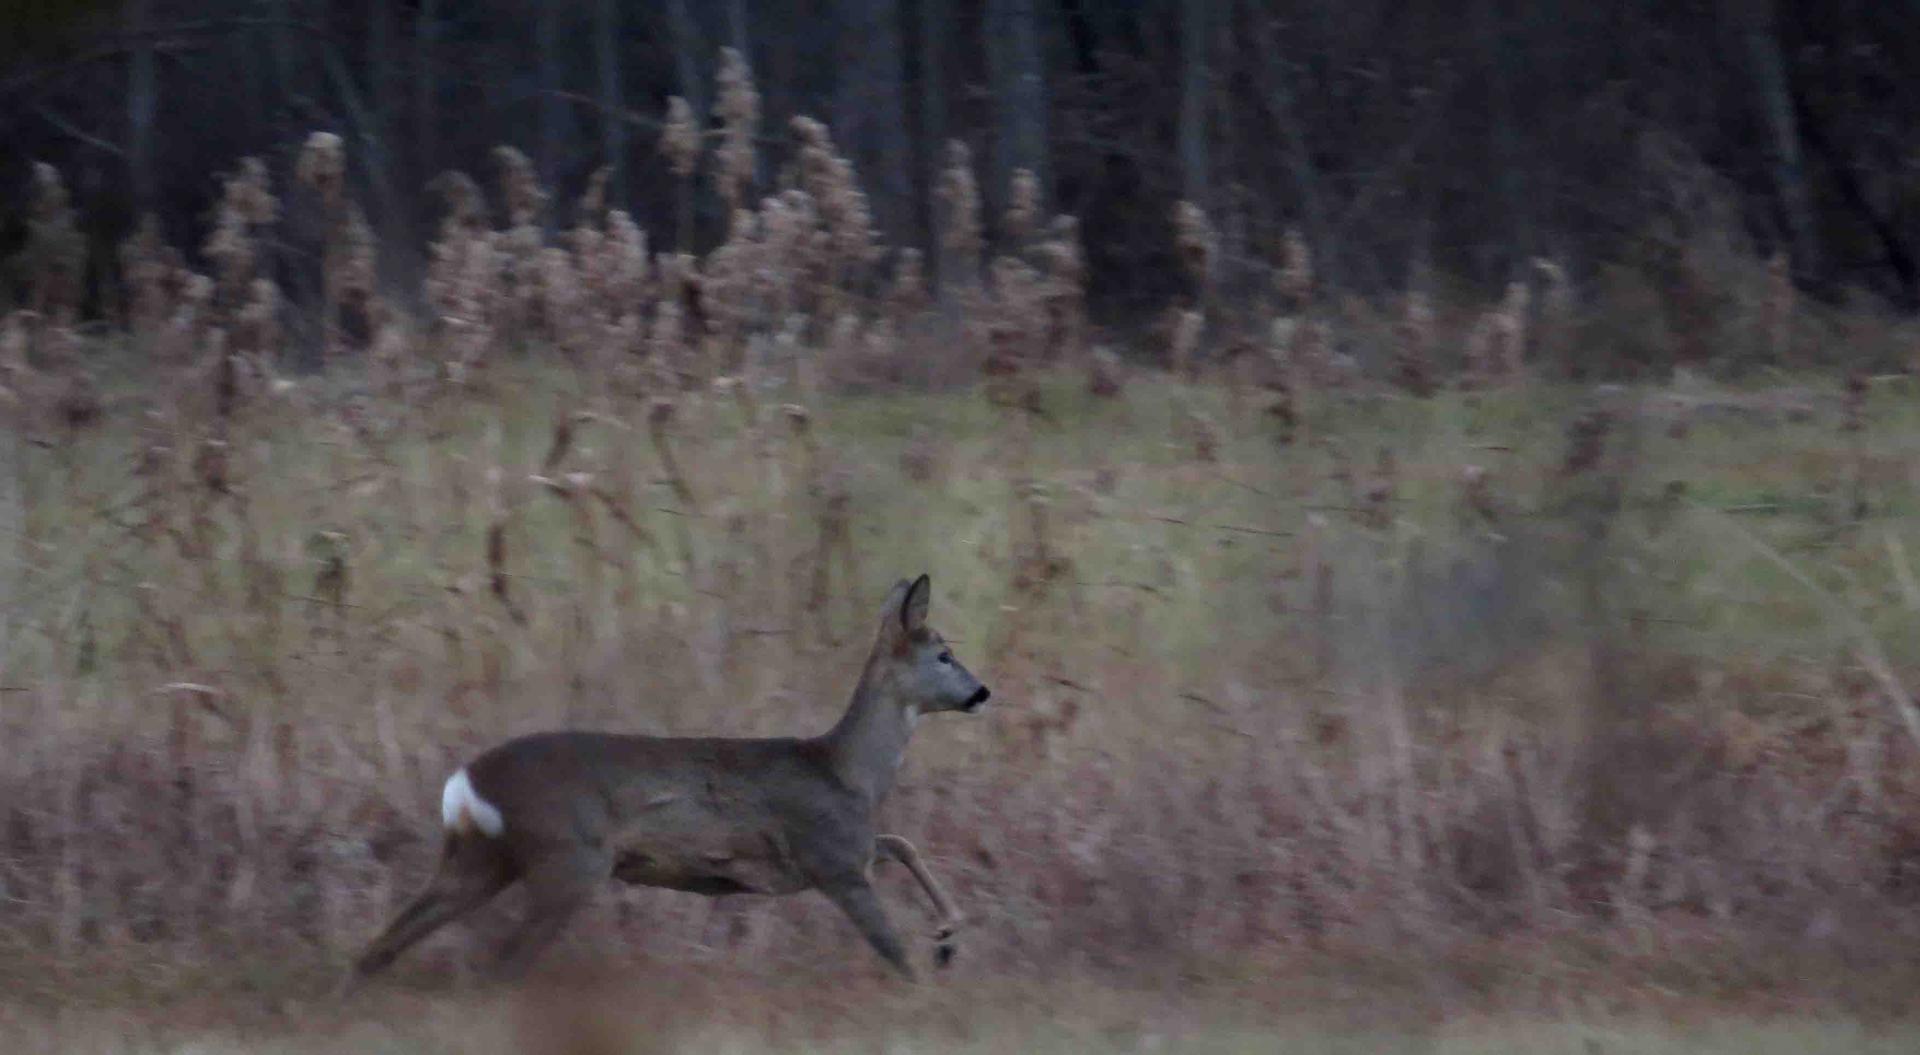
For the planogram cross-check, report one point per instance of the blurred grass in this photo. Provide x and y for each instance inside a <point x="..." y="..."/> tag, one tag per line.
<point x="448" y="1029"/>
<point x="1203" y="540"/>
<point x="1214" y="615"/>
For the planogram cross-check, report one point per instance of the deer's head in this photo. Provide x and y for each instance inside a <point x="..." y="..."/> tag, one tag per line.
<point x="913" y="661"/>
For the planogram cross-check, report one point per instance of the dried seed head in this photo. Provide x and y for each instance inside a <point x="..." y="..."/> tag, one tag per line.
<point x="628" y="268"/>
<point x="358" y="267"/>
<point x="726" y="280"/>
<point x="465" y="205"/>
<point x="197" y="293"/>
<point x="16" y="337"/>
<point x="323" y="167"/>
<point x="907" y="294"/>
<point x="256" y="327"/>
<point x="1197" y="242"/>
<point x="1019" y="319"/>
<point x="1282" y="334"/>
<point x="252" y="193"/>
<point x="146" y="271"/>
<point x="1413" y="357"/>
<point x="667" y="335"/>
<point x="1416" y="320"/>
<point x="959" y="195"/>
<point x="392" y="345"/>
<point x="1061" y="255"/>
<point x="1184" y="342"/>
<point x="560" y="295"/>
<point x="829" y="181"/>
<point x="1296" y="271"/>
<point x="676" y="271"/>
<point x="245" y="202"/>
<point x="680" y="138"/>
<point x="519" y="187"/>
<point x="465" y="277"/>
<point x="55" y="254"/>
<point x="1511" y="323"/>
<point x="1023" y="208"/>
<point x="738" y="109"/>
<point x="1555" y="321"/>
<point x="593" y="201"/>
<point x="50" y="199"/>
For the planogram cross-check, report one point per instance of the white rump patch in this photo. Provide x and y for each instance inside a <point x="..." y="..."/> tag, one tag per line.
<point x="462" y="808"/>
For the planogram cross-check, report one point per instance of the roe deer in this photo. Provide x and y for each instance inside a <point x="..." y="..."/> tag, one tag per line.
<point x="564" y="811"/>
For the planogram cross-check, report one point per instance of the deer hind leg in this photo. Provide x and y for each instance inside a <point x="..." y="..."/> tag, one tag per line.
<point x="557" y="887"/>
<point x="897" y="848"/>
<point x="856" y="898"/>
<point x="471" y="872"/>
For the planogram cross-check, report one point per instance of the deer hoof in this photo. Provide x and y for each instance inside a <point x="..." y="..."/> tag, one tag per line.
<point x="943" y="954"/>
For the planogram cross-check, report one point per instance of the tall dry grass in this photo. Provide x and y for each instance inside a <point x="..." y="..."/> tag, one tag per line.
<point x="1488" y="659"/>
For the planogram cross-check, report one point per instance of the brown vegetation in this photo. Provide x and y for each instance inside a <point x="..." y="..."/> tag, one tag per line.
<point x="1361" y="669"/>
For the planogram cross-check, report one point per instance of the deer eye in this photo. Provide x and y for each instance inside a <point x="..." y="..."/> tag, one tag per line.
<point x="946" y="657"/>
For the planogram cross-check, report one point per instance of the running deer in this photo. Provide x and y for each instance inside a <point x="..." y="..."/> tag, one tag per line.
<point x="564" y="811"/>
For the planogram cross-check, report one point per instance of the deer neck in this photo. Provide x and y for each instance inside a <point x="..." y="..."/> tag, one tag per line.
<point x="870" y="741"/>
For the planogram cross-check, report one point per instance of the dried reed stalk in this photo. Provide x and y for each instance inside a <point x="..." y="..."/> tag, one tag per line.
<point x="55" y="254"/>
<point x="680" y="144"/>
<point x="1413" y="351"/>
<point x="961" y="241"/>
<point x="738" y="108"/>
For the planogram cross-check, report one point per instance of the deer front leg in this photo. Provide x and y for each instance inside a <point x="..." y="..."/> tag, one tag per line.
<point x="856" y="898"/>
<point x="897" y="848"/>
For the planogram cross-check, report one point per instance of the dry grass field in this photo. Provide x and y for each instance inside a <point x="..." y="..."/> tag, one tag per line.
<point x="1404" y="697"/>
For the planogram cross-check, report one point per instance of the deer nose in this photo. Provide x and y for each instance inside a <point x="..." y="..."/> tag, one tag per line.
<point x="979" y="697"/>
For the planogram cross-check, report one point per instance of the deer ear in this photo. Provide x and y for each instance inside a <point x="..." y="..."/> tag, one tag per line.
<point x="913" y="607"/>
<point x="896" y="602"/>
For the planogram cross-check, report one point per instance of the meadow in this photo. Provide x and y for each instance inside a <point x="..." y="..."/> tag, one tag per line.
<point x="1347" y="655"/>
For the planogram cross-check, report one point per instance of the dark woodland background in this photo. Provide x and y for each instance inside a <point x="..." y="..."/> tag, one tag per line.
<point x="1452" y="140"/>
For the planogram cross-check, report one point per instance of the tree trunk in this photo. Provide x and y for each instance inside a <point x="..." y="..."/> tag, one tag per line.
<point x="737" y="30"/>
<point x="380" y="63"/>
<point x="1029" y="91"/>
<point x="1276" y="77"/>
<point x="1020" y="99"/>
<point x="548" y="43"/>
<point x="1754" y="22"/>
<point x="142" y="104"/>
<point x="380" y="111"/>
<point x="869" y="120"/>
<point x="280" y="50"/>
<point x="1196" y="24"/>
<point x="688" y="49"/>
<point x="934" y="29"/>
<point x="613" y="126"/>
<point x="426" y="90"/>
<point x="1508" y="161"/>
<point x="372" y="150"/>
